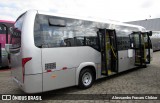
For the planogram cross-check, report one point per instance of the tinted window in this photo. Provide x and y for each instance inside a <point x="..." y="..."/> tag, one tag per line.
<point x="46" y="35"/>
<point x="16" y="35"/>
<point x="64" y="32"/>
<point x="87" y="41"/>
<point x="123" y="43"/>
<point x="123" y="40"/>
<point x="3" y="29"/>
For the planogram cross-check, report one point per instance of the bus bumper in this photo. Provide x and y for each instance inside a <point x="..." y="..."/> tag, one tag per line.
<point x="18" y="83"/>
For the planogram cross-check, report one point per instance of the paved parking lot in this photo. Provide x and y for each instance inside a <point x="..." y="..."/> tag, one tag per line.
<point x="136" y="81"/>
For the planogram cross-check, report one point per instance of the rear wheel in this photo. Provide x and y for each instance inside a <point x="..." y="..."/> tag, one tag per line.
<point x="86" y="78"/>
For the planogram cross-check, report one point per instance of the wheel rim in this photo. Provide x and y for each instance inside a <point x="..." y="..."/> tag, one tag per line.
<point x="87" y="78"/>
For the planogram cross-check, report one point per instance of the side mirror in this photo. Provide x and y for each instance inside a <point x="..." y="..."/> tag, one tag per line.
<point x="7" y="46"/>
<point x="150" y="33"/>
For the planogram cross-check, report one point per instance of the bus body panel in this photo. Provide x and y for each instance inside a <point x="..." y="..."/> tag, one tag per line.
<point x="33" y="83"/>
<point x="70" y="60"/>
<point x="29" y="49"/>
<point x="32" y="69"/>
<point x="125" y="62"/>
<point x="16" y="63"/>
<point x="70" y="56"/>
<point x="59" y="79"/>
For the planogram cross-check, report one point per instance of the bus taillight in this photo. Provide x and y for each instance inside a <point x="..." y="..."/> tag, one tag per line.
<point x="24" y="61"/>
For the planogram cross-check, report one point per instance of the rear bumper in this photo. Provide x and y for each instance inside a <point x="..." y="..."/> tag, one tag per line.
<point x="18" y="83"/>
<point x="4" y="58"/>
<point x="32" y="83"/>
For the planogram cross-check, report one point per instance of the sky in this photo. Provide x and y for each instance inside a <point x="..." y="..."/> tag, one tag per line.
<point x="118" y="10"/>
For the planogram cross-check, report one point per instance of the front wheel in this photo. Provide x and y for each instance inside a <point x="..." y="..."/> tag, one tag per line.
<point x="86" y="78"/>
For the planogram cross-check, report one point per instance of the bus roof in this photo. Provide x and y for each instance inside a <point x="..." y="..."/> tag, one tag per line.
<point x="102" y="20"/>
<point x="6" y="21"/>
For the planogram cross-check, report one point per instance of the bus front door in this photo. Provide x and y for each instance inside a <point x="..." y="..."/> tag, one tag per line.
<point x="140" y="42"/>
<point x="109" y="53"/>
<point x="147" y="46"/>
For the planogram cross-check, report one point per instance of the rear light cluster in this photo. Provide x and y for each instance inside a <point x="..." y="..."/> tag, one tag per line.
<point x="24" y="61"/>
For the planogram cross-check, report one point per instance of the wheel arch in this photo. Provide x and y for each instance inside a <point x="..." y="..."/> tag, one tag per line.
<point x="84" y="65"/>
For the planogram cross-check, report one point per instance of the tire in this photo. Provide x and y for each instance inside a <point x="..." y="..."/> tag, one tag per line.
<point x="86" y="79"/>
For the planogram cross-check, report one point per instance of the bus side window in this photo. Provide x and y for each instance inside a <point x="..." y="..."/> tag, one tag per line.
<point x="69" y="42"/>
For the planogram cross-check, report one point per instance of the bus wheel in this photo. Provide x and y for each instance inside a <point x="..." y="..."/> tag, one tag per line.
<point x="86" y="78"/>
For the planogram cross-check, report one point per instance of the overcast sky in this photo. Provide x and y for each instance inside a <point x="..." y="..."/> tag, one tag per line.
<point x="119" y="10"/>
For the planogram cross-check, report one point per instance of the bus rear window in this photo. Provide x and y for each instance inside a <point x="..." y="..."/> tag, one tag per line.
<point x="16" y="35"/>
